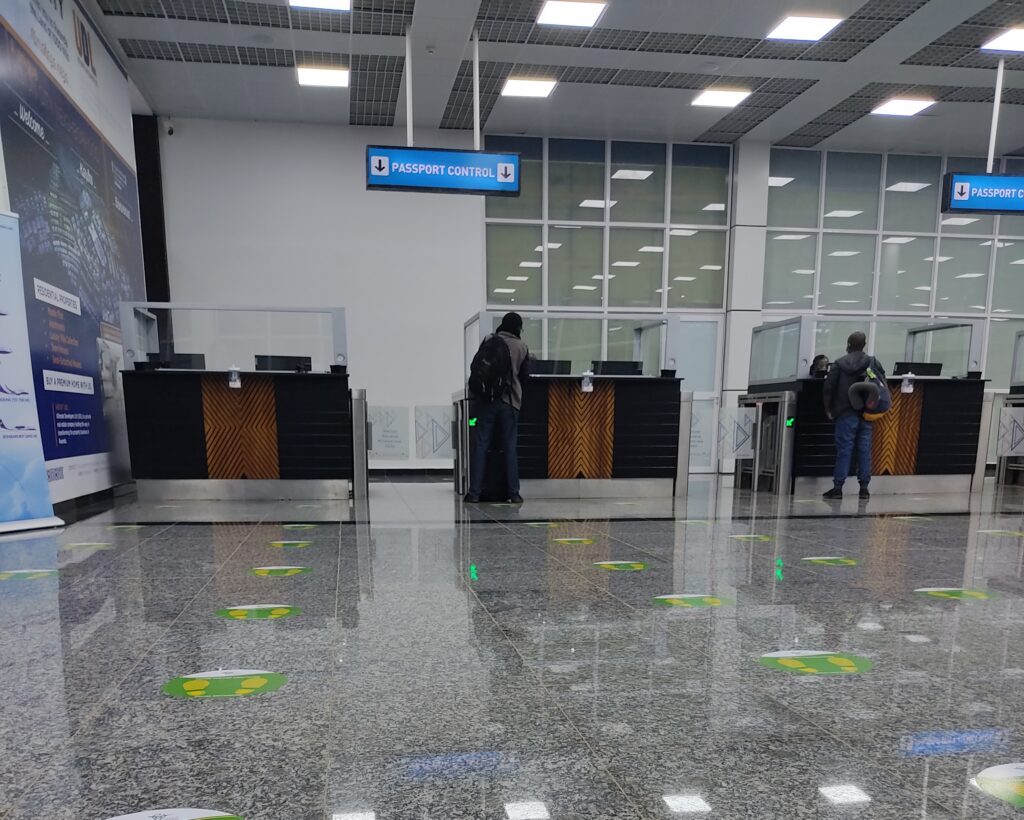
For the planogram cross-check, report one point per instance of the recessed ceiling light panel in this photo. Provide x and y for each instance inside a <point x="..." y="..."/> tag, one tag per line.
<point x="806" y="29"/>
<point x="528" y="87"/>
<point x="326" y="5"/>
<point x="578" y="13"/>
<point x="322" y="76"/>
<point x="899" y="107"/>
<point x="721" y="97"/>
<point x="626" y="173"/>
<point x="908" y="187"/>
<point x="1012" y="40"/>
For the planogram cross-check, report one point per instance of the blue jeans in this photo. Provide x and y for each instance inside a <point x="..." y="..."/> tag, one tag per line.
<point x="497" y="424"/>
<point x="850" y="429"/>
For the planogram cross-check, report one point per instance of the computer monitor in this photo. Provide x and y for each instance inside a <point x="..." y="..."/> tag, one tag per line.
<point x="287" y="364"/>
<point x="550" y="367"/>
<point x="618" y="368"/>
<point x="178" y="361"/>
<point x="917" y="368"/>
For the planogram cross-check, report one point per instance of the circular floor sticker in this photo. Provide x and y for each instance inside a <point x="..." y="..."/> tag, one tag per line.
<point x="621" y="566"/>
<point x="573" y="540"/>
<point x="224" y="683"/>
<point x="280" y="572"/>
<point x="542" y="524"/>
<point x="125" y="527"/>
<point x="290" y="545"/>
<point x="1015" y="533"/>
<point x="26" y="574"/>
<point x="955" y="593"/>
<point x="751" y="537"/>
<point x="299" y="527"/>
<point x="178" y="814"/>
<point x="259" y="612"/>
<point x="1005" y="782"/>
<point x="88" y="545"/>
<point x="911" y="518"/>
<point x="690" y="600"/>
<point x="816" y="662"/>
<point x="831" y="561"/>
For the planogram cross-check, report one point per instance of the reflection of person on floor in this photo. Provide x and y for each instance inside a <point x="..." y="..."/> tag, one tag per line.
<point x="851" y="428"/>
<point x="498" y="419"/>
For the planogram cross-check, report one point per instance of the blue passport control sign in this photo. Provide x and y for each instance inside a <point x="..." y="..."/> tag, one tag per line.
<point x="982" y="194"/>
<point x="440" y="170"/>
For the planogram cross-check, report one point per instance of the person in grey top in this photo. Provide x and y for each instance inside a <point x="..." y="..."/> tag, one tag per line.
<point x="498" y="421"/>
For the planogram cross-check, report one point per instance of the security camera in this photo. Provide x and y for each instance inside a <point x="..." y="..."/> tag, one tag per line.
<point x="170" y="128"/>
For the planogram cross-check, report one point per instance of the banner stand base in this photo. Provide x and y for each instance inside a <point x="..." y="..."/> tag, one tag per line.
<point x="30" y="524"/>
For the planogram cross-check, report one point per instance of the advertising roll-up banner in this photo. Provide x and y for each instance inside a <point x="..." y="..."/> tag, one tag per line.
<point x="24" y="490"/>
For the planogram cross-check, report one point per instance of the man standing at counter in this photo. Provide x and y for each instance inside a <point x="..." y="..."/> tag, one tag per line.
<point x="499" y="399"/>
<point x="851" y="427"/>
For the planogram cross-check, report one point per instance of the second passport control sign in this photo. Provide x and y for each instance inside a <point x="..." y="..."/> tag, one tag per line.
<point x="441" y="170"/>
<point x="982" y="194"/>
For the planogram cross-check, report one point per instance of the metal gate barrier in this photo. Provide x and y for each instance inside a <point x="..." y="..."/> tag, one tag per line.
<point x="1009" y="468"/>
<point x="771" y="468"/>
<point x="361" y="437"/>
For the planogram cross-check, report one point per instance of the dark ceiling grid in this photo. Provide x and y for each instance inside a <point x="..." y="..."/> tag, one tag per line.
<point x="767" y="98"/>
<point x="864" y="101"/>
<point x="769" y="94"/>
<point x="375" y="84"/>
<point x="959" y="46"/>
<point x="382" y="17"/>
<point x="514" y="21"/>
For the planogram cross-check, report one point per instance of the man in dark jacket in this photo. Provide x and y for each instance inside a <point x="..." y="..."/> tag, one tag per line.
<point x="851" y="428"/>
<point x="499" y="420"/>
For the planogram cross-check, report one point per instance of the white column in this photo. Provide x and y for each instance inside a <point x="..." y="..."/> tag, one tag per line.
<point x="745" y="288"/>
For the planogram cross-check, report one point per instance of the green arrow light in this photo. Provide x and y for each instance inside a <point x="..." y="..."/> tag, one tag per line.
<point x="472" y="422"/>
<point x="778" y="568"/>
<point x="790" y="421"/>
<point x="472" y="573"/>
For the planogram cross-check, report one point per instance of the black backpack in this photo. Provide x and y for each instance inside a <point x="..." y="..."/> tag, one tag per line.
<point x="490" y="374"/>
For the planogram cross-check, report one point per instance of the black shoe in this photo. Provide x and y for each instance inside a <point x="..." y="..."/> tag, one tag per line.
<point x="864" y="493"/>
<point x="516" y="499"/>
<point x="471" y="498"/>
<point x="835" y="494"/>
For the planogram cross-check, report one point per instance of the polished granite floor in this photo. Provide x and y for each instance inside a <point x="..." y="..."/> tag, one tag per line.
<point x="489" y="662"/>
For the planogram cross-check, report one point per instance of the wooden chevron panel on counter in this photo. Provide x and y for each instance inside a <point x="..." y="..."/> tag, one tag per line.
<point x="581" y="430"/>
<point x="241" y="428"/>
<point x="896" y="434"/>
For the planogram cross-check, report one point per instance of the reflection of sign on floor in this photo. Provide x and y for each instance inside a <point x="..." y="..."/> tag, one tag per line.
<point x="390" y="427"/>
<point x="178" y="814"/>
<point x="686" y="601"/>
<point x="954" y="593"/>
<point x="952" y="742"/>
<point x="434" y="431"/>
<point x="816" y="662"/>
<point x="225" y="683"/>
<point x="1005" y="782"/>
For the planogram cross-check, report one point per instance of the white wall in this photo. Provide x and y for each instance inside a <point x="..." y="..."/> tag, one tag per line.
<point x="278" y="214"/>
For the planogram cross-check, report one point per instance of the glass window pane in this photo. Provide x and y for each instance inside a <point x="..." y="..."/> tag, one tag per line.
<point x="638" y="182"/>
<point x="905" y="273"/>
<point x="789" y="267"/>
<point x="851" y="190"/>
<point x="575" y="264"/>
<point x="578" y="340"/>
<point x="1008" y="296"/>
<point x="912" y="187"/>
<point x="967" y="223"/>
<point x="1001" y="335"/>
<point x="513" y="264"/>
<point x="634" y="267"/>
<point x="830" y="336"/>
<point x="889" y="342"/>
<point x="635" y="340"/>
<point x="696" y="270"/>
<point x="533" y="335"/>
<point x="700" y="178"/>
<point x="847" y="271"/>
<point x="963" y="275"/>
<point x="576" y="180"/>
<point x="695" y="358"/>
<point x="793" y="188"/>
<point x="1012" y="225"/>
<point x="531" y="179"/>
